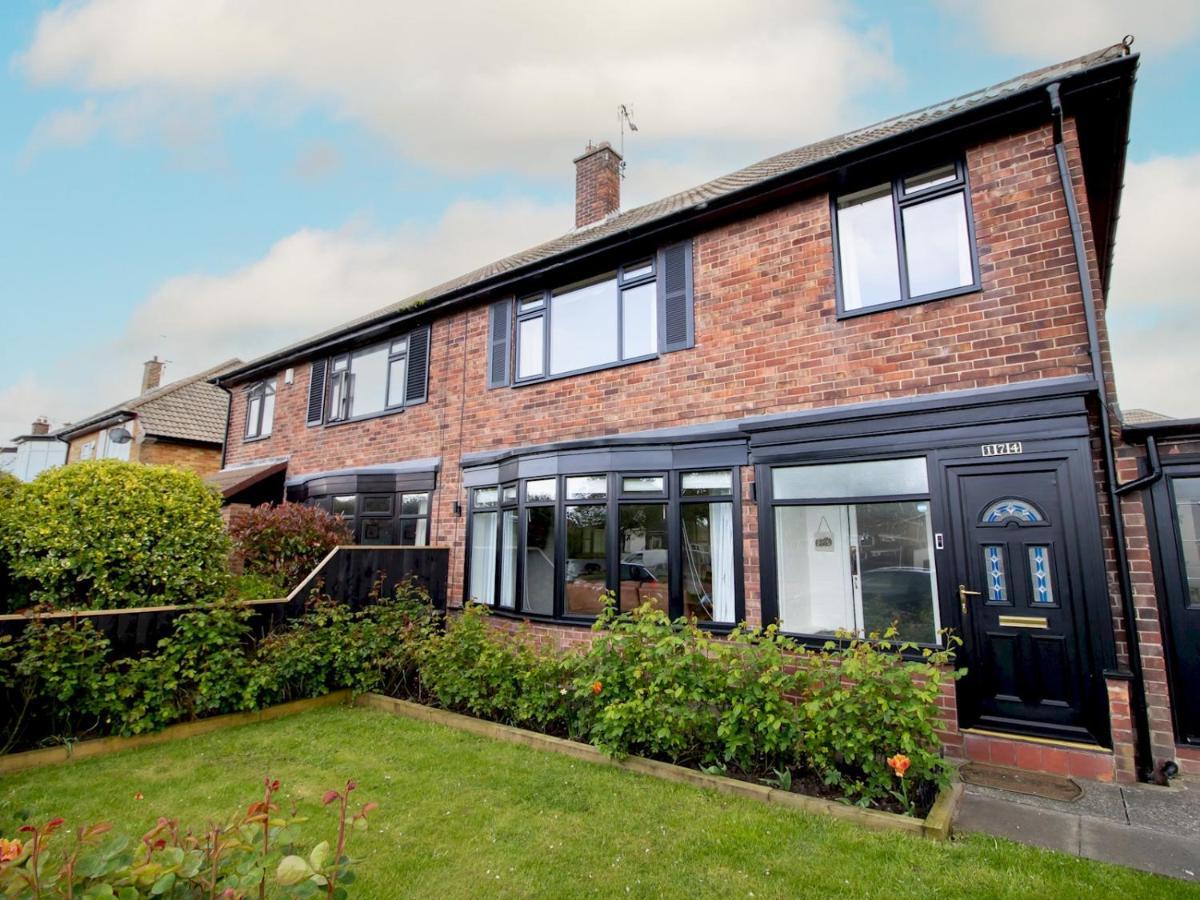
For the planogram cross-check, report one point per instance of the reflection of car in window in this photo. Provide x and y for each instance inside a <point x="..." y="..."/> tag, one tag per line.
<point x="630" y="572"/>
<point x="900" y="594"/>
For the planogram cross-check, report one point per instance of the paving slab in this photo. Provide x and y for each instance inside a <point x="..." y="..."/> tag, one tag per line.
<point x="1046" y="828"/>
<point x="1140" y="826"/>
<point x="1177" y="856"/>
<point x="1175" y="809"/>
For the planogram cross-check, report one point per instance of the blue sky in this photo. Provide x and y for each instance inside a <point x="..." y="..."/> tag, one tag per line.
<point x="206" y="179"/>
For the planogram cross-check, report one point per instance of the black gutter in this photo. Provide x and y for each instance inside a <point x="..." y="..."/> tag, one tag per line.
<point x="1027" y="101"/>
<point x="1143" y="752"/>
<point x="1166" y="428"/>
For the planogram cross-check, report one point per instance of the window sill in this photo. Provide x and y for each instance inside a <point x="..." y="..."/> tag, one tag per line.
<point x="255" y="440"/>
<point x="527" y="382"/>
<point x="365" y="418"/>
<point x="900" y="304"/>
<point x="818" y="642"/>
<point x="584" y="621"/>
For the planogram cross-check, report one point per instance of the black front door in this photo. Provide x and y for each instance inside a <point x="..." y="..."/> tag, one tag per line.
<point x="1018" y="587"/>
<point x="1178" y="532"/>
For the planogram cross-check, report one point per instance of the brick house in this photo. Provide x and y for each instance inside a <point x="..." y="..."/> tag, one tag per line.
<point x="180" y="424"/>
<point x="857" y="383"/>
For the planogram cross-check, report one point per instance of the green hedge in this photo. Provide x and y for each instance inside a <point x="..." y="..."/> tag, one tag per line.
<point x="108" y="534"/>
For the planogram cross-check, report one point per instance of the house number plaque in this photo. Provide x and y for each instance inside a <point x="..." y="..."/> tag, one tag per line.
<point x="1009" y="448"/>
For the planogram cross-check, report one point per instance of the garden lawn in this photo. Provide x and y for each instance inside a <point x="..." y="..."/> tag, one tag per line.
<point x="464" y="816"/>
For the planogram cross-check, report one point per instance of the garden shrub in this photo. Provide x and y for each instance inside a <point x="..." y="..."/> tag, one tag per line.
<point x="252" y="586"/>
<point x="286" y="541"/>
<point x="653" y="687"/>
<point x="332" y="647"/>
<point x="57" y="676"/>
<point x="864" y="704"/>
<point x="105" y="534"/>
<point x="10" y="488"/>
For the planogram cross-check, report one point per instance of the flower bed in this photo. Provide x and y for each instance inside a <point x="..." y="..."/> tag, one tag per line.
<point x="856" y="722"/>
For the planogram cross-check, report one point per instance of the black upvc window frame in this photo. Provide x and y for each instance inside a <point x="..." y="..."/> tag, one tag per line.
<point x="540" y="306"/>
<point x="253" y="428"/>
<point x="768" y="539"/>
<point x="901" y="201"/>
<point x="339" y="391"/>
<point x="614" y="499"/>
<point x="394" y="517"/>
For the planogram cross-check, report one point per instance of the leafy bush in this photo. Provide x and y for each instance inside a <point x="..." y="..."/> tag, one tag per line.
<point x="285" y="542"/>
<point x="228" y="859"/>
<point x="864" y="704"/>
<point x="10" y="488"/>
<point x="653" y="687"/>
<point x="106" y="534"/>
<point x="57" y="673"/>
<point x="332" y="647"/>
<point x="251" y="586"/>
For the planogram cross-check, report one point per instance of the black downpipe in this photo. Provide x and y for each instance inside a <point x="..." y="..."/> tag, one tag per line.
<point x="1143" y="753"/>
<point x="1154" y="465"/>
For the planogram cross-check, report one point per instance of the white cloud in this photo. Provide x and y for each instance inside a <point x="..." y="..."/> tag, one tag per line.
<point x="485" y="86"/>
<point x="1154" y="315"/>
<point x="308" y="281"/>
<point x="1066" y="28"/>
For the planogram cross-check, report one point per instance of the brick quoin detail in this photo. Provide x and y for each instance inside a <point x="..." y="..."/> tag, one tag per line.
<point x="767" y="341"/>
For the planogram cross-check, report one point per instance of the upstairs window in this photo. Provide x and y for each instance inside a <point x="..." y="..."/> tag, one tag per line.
<point x="370" y="381"/>
<point x="905" y="241"/>
<point x="260" y="409"/>
<point x="642" y="309"/>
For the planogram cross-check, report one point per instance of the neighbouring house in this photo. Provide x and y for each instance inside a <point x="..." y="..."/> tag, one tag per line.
<point x="859" y="383"/>
<point x="180" y="424"/>
<point x="34" y="452"/>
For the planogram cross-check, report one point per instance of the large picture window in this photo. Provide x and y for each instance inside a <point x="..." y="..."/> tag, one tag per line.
<point x="555" y="546"/>
<point x="368" y="381"/>
<point x="905" y="241"/>
<point x="854" y="549"/>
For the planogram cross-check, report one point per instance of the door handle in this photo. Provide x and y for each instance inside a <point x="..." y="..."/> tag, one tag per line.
<point x="963" y="594"/>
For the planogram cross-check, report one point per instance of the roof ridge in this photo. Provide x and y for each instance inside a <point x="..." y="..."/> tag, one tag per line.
<point x="150" y="396"/>
<point x="755" y="173"/>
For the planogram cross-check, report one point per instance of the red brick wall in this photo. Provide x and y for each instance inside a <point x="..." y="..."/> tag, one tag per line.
<point x="767" y="340"/>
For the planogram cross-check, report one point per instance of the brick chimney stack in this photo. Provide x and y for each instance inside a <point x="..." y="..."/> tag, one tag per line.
<point x="41" y="425"/>
<point x="597" y="184"/>
<point x="152" y="371"/>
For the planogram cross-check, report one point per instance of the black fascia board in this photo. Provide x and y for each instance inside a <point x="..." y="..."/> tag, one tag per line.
<point x="1029" y="102"/>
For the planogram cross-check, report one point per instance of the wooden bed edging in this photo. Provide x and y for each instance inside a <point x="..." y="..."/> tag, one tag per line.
<point x="936" y="825"/>
<point x="66" y="753"/>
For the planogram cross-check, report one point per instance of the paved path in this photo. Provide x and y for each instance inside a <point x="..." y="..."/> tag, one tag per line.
<point x="1144" y="827"/>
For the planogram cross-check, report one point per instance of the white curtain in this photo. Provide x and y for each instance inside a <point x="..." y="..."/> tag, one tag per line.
<point x="508" y="559"/>
<point x="720" y="535"/>
<point x="483" y="557"/>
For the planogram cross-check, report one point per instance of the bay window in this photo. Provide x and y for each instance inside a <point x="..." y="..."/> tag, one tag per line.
<point x="853" y="548"/>
<point x="905" y="241"/>
<point x="555" y="546"/>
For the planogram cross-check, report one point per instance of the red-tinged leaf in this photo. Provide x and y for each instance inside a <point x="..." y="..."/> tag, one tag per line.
<point x="329" y="797"/>
<point x="369" y="807"/>
<point x="29" y="829"/>
<point x="351" y="785"/>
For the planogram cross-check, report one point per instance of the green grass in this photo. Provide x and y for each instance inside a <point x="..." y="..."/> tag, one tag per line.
<point x="463" y="816"/>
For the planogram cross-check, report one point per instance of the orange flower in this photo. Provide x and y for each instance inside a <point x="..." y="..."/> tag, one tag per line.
<point x="899" y="764"/>
<point x="139" y="796"/>
<point x="9" y="850"/>
<point x="597" y="687"/>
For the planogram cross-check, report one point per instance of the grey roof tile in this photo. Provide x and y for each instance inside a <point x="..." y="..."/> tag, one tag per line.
<point x="189" y="409"/>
